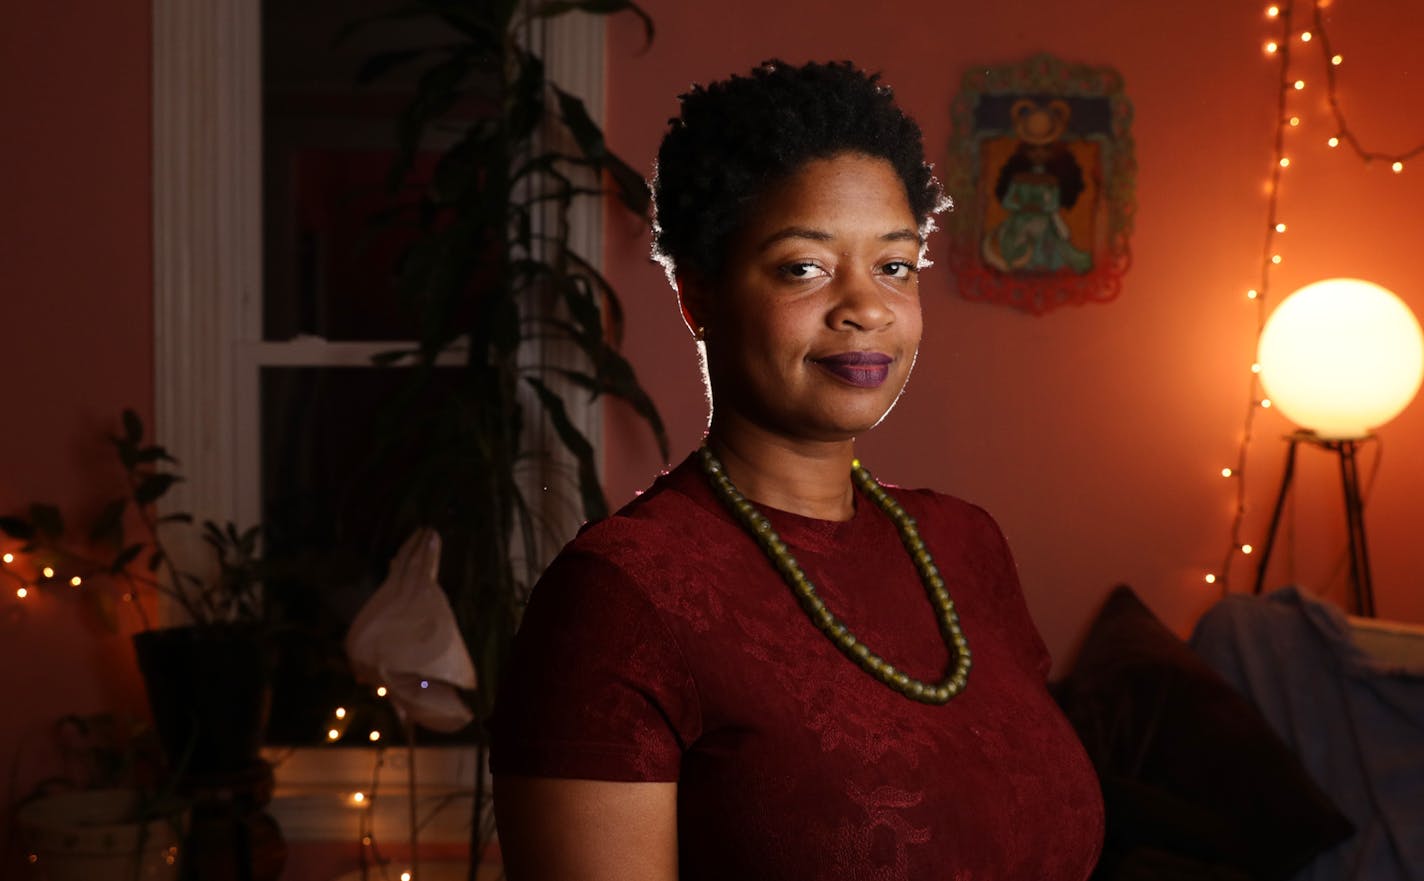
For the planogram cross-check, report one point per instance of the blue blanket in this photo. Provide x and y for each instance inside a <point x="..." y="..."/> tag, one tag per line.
<point x="1356" y="724"/>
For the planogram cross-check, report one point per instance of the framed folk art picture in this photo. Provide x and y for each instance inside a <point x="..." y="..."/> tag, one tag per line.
<point x="1042" y="173"/>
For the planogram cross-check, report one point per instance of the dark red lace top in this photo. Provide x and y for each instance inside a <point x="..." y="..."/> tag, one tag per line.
<point x="661" y="645"/>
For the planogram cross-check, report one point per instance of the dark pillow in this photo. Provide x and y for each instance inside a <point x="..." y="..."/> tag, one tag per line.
<point x="1189" y="768"/>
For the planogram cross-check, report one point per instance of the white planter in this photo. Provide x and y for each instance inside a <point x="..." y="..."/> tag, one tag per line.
<point x="93" y="835"/>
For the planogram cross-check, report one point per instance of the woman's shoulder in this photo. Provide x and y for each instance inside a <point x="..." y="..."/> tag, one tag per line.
<point x="943" y="510"/>
<point x="674" y="512"/>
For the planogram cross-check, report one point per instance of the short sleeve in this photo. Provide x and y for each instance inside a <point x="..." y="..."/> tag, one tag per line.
<point x="596" y="687"/>
<point x="996" y="563"/>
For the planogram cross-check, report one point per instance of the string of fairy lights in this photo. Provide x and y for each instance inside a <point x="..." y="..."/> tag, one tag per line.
<point x="34" y="574"/>
<point x="1287" y="35"/>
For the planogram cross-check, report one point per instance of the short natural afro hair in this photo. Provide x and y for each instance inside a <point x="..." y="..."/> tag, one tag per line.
<point x="736" y="138"/>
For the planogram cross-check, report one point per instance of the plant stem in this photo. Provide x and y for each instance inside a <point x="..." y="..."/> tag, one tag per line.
<point x="179" y="592"/>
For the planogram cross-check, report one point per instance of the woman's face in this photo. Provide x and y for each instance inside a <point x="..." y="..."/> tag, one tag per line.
<point x="814" y="329"/>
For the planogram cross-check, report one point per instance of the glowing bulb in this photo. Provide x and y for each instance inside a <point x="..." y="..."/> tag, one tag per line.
<point x="358" y="797"/>
<point x="1276" y="259"/>
<point x="366" y="840"/>
<point x="1342" y="357"/>
<point x="1333" y="142"/>
<point x="1271" y="48"/>
<point x="1226" y="472"/>
<point x="1255" y="368"/>
<point x="381" y="691"/>
<point x="8" y="558"/>
<point x="425" y="683"/>
<point x="76" y="581"/>
<point x="22" y="593"/>
<point x="1295" y="120"/>
<point x="341" y="712"/>
<point x="333" y="734"/>
<point x="1210" y="578"/>
<point x="405" y="876"/>
<point x="48" y="572"/>
<point x="1285" y="162"/>
<point x="1336" y="59"/>
<point x="375" y="736"/>
<point x="1299" y="84"/>
<point x="1272" y="11"/>
<point x="1398" y="167"/>
<point x="1246" y="549"/>
<point x="1305" y="36"/>
<point x="1280" y="227"/>
<point x="1252" y="294"/>
<point x="1265" y="403"/>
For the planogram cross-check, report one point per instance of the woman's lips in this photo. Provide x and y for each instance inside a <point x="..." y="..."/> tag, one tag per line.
<point x="860" y="369"/>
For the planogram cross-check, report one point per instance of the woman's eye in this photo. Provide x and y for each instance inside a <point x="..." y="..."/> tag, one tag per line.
<point x="899" y="269"/>
<point x="802" y="269"/>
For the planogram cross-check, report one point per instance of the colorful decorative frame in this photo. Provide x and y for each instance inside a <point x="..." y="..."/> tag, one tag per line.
<point x="1043" y="175"/>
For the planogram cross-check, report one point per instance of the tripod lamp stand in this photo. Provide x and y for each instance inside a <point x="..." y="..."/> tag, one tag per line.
<point x="1339" y="358"/>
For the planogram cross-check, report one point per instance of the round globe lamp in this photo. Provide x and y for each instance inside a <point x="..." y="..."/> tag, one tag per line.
<point x="1341" y="357"/>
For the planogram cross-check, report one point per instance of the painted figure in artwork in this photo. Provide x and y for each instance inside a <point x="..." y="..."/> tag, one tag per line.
<point x="1035" y="185"/>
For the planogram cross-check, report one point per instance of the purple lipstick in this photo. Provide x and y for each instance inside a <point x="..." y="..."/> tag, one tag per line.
<point x="860" y="369"/>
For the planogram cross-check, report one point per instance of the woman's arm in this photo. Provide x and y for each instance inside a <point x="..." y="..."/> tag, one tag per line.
<point x="586" y="830"/>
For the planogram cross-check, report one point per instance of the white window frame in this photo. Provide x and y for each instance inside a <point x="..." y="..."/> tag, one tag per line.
<point x="208" y="347"/>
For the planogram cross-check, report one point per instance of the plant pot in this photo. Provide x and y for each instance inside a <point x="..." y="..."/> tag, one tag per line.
<point x="98" y="835"/>
<point x="210" y="691"/>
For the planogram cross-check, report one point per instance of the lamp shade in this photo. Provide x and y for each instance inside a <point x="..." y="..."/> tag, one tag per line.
<point x="1341" y="357"/>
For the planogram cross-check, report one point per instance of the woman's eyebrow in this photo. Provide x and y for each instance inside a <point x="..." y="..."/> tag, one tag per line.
<point x="820" y="235"/>
<point x="903" y="235"/>
<point x="796" y="232"/>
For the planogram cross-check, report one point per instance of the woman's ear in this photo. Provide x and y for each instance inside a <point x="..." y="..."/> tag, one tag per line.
<point x="692" y="298"/>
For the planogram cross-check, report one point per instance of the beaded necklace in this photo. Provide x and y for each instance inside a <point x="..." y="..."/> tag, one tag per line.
<point x="858" y="652"/>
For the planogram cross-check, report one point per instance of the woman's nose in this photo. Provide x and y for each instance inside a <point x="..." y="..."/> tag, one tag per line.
<point x="859" y="304"/>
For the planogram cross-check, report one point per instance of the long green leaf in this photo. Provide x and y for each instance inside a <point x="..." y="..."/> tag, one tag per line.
<point x="125" y="557"/>
<point x="595" y="506"/>
<point x="624" y="385"/>
<point x="153" y="454"/>
<point x="632" y="188"/>
<point x="611" y="302"/>
<point x="109" y="525"/>
<point x="153" y="487"/>
<point x="133" y="427"/>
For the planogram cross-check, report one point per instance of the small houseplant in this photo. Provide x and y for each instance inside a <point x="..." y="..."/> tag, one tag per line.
<point x="208" y="679"/>
<point x="112" y="813"/>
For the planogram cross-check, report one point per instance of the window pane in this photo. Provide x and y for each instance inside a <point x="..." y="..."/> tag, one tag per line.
<point x="328" y="144"/>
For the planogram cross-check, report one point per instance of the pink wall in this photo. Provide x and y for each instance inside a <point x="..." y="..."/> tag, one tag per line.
<point x="76" y="338"/>
<point x="1095" y="435"/>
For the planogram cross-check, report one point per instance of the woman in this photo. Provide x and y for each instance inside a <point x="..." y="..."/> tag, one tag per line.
<point x="755" y="670"/>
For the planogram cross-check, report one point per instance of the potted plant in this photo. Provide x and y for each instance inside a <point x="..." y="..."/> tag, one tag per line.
<point x="491" y="269"/>
<point x="112" y="814"/>
<point x="208" y="679"/>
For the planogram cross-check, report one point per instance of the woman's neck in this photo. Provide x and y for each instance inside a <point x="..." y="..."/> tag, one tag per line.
<point x="810" y="478"/>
